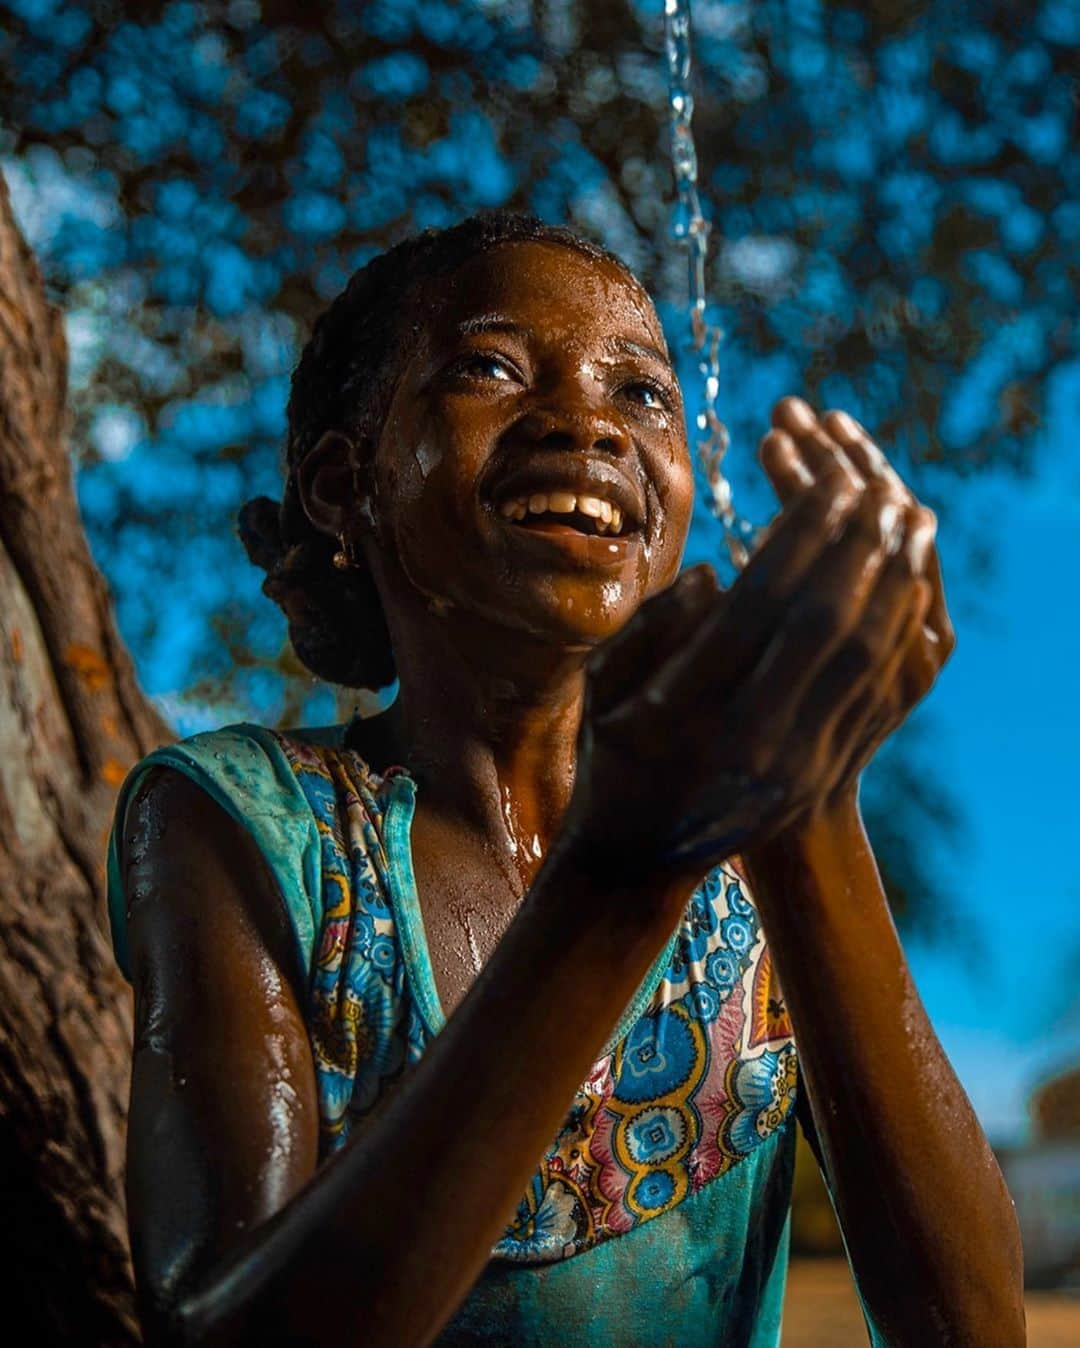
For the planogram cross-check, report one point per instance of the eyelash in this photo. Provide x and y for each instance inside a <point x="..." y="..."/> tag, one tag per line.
<point x="483" y="358"/>
<point x="656" y="389"/>
<point x="476" y="358"/>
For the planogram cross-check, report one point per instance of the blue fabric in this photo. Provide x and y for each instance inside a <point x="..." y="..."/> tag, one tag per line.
<point x="708" y="1274"/>
<point x="244" y="768"/>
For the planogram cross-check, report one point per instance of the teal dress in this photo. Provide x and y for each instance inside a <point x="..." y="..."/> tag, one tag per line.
<point x="660" y="1212"/>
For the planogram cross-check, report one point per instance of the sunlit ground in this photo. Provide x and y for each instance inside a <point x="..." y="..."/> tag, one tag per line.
<point x="821" y="1311"/>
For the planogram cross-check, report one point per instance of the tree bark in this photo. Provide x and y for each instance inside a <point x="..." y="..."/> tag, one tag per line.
<point x="72" y="721"/>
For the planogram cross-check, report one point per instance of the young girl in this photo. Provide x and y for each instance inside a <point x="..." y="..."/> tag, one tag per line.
<point x="458" y="1023"/>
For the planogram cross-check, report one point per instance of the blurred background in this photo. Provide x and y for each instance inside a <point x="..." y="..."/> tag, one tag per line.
<point x="894" y="195"/>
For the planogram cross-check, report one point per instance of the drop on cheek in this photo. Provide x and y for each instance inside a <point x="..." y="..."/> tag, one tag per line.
<point x="426" y="458"/>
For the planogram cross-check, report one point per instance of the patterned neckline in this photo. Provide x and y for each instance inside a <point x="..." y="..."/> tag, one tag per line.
<point x="398" y="815"/>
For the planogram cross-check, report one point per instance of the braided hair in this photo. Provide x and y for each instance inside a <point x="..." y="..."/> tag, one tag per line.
<point x="344" y="382"/>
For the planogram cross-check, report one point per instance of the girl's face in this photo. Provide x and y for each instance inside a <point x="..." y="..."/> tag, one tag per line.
<point x="533" y="466"/>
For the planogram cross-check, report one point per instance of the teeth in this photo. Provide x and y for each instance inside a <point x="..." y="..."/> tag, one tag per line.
<point x="607" y="516"/>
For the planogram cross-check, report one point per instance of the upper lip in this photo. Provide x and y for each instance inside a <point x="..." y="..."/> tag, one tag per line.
<point x="583" y="476"/>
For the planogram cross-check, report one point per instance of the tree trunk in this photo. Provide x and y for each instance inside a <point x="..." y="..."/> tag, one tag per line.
<point x="72" y="721"/>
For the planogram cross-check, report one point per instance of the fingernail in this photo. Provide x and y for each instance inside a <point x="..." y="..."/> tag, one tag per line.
<point x="891" y="532"/>
<point x="784" y="446"/>
<point x="919" y="544"/>
<point x="777" y="438"/>
<point x="848" y="427"/>
<point x="801" y="414"/>
<point x="875" y="459"/>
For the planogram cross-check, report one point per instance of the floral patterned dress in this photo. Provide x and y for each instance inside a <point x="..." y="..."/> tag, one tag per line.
<point x="659" y="1213"/>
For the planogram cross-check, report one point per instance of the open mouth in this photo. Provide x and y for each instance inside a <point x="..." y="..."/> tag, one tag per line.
<point x="566" y="513"/>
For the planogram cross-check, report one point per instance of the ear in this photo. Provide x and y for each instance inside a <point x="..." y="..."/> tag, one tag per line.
<point x="330" y="484"/>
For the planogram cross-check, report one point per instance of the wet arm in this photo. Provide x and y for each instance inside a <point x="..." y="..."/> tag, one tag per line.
<point x="237" y="1238"/>
<point x="928" y="1223"/>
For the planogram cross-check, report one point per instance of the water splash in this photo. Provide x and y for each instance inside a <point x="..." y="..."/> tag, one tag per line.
<point x="690" y="229"/>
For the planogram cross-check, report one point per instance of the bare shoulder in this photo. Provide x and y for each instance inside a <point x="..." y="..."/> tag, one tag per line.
<point x="223" y="1122"/>
<point x="185" y="860"/>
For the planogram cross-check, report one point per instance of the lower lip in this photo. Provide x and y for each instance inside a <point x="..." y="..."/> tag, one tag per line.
<point x="584" y="550"/>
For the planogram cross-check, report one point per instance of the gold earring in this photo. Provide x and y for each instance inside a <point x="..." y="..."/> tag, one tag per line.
<point x="343" y="558"/>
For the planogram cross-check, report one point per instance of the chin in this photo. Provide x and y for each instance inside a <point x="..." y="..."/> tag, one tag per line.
<point x="573" y="614"/>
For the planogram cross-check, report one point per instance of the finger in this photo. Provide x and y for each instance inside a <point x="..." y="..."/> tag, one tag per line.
<point x="828" y="607"/>
<point x="662" y="623"/>
<point x="784" y="465"/>
<point x="815" y="446"/>
<point x="888" y="691"/>
<point x="731" y="639"/>
<point x="927" y="654"/>
<point x="881" y="705"/>
<point x="896" y="640"/>
<point x="938" y="621"/>
<point x="863" y="452"/>
<point x="923" y="663"/>
<point x="905" y="573"/>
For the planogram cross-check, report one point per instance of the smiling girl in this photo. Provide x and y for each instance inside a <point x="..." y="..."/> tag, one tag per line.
<point x="458" y="1022"/>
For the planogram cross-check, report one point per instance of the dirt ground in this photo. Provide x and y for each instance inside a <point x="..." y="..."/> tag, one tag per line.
<point x="821" y="1311"/>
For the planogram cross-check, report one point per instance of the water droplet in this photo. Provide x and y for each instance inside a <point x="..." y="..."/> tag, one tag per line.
<point x="426" y="459"/>
<point x="508" y="817"/>
<point x="689" y="228"/>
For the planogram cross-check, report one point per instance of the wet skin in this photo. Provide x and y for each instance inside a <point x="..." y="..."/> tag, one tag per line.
<point x="508" y="376"/>
<point x="540" y="359"/>
<point x="546" y="689"/>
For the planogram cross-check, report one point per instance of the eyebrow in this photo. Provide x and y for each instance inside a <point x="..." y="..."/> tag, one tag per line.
<point x="497" y="323"/>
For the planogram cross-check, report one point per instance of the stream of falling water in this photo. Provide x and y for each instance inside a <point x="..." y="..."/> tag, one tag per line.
<point x="690" y="229"/>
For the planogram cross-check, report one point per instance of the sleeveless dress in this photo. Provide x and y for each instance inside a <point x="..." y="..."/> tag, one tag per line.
<point x="660" y="1212"/>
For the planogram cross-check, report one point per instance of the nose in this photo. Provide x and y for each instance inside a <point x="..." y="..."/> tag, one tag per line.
<point x="575" y="425"/>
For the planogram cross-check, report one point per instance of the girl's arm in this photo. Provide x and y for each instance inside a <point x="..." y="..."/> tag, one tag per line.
<point x="236" y="1237"/>
<point x="929" y="1226"/>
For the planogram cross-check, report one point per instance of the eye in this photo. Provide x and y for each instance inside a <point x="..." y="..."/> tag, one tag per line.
<point x="649" y="394"/>
<point x="486" y="365"/>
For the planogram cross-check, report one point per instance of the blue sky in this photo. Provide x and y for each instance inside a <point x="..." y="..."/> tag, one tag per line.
<point x="1006" y="726"/>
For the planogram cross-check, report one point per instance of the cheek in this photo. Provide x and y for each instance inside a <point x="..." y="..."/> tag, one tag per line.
<point x="410" y="451"/>
<point x="674" y="500"/>
<point x="437" y="454"/>
<point x="426" y="477"/>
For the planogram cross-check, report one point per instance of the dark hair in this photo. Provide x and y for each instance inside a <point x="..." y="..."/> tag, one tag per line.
<point x="344" y="381"/>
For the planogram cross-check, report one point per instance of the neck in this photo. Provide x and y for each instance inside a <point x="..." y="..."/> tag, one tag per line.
<point x="487" y="722"/>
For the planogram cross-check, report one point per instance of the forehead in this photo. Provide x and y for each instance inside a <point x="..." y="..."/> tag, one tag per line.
<point x="548" y="287"/>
